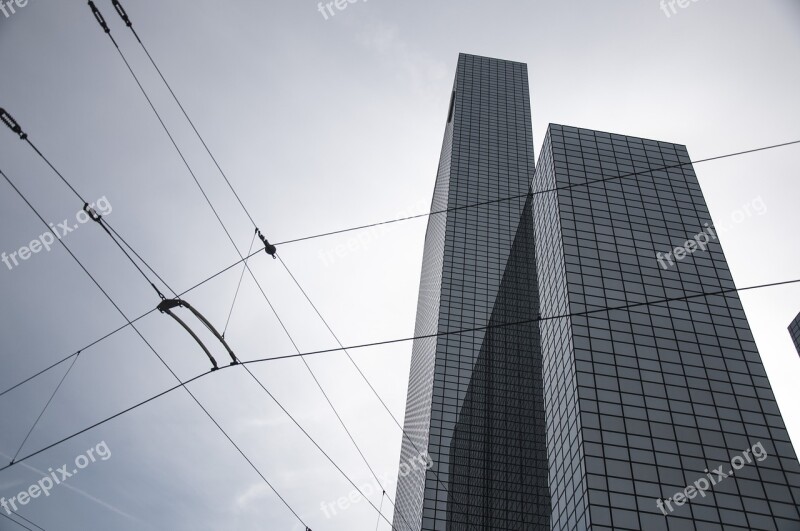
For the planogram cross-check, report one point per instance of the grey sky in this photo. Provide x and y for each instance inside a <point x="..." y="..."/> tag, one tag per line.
<point x="323" y="124"/>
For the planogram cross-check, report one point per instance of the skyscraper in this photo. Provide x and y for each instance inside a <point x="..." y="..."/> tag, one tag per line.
<point x="588" y="392"/>
<point x="475" y="407"/>
<point x="794" y="331"/>
<point x="648" y="399"/>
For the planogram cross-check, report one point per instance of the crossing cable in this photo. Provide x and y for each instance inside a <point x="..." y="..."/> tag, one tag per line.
<point x="338" y="417"/>
<point x="369" y="384"/>
<point x="52" y="396"/>
<point x="270" y="248"/>
<point x="166" y="306"/>
<point x="12" y="124"/>
<point x="321" y="235"/>
<point x="242" y="258"/>
<point x="405" y="340"/>
<point x="99" y="17"/>
<point x="536" y="192"/>
<point x="28" y="521"/>
<point x="310" y="438"/>
<point x="238" y="286"/>
<point x="124" y="15"/>
<point x="7" y="517"/>
<point x="378" y="523"/>
<point x="155" y="352"/>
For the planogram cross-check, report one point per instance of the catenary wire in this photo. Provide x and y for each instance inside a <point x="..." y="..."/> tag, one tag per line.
<point x="404" y="340"/>
<point x="378" y="523"/>
<point x="238" y="286"/>
<point x="527" y="321"/>
<point x="327" y="399"/>
<point x="29" y="521"/>
<point x="44" y="409"/>
<point x="216" y="214"/>
<point x="574" y="185"/>
<point x="321" y="235"/>
<point x="169" y="135"/>
<point x="326" y="234"/>
<point x="369" y="384"/>
<point x="8" y="517"/>
<point x="160" y="358"/>
<point x="246" y="266"/>
<point x="185" y="114"/>
<point x="599" y="180"/>
<point x="102" y="221"/>
<point x="23" y="526"/>
<point x="121" y="11"/>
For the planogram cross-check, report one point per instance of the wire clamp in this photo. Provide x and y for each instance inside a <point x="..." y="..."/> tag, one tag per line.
<point x="268" y="247"/>
<point x="122" y="13"/>
<point x="12" y="124"/>
<point x="99" y="17"/>
<point x="92" y="213"/>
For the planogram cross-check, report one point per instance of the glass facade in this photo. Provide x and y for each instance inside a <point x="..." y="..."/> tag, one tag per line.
<point x="643" y="402"/>
<point x="794" y="331"/>
<point x="479" y="425"/>
<point x="592" y="417"/>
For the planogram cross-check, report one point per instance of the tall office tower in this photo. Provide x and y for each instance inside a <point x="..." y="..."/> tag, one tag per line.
<point x="558" y="388"/>
<point x="794" y="331"/>
<point x="475" y="398"/>
<point x="644" y="401"/>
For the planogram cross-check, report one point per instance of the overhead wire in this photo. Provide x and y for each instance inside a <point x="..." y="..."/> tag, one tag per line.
<point x="160" y="358"/>
<point x="405" y="340"/>
<point x="129" y="24"/>
<point x="238" y="287"/>
<point x="123" y="14"/>
<point x="8" y="517"/>
<point x="369" y="384"/>
<point x="44" y="409"/>
<point x="246" y="266"/>
<point x="16" y="128"/>
<point x="535" y="192"/>
<point x="378" y="523"/>
<point x="321" y="235"/>
<point x="98" y="16"/>
<point x="243" y="259"/>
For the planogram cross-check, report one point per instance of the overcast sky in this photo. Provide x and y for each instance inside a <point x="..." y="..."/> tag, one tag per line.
<point x="322" y="124"/>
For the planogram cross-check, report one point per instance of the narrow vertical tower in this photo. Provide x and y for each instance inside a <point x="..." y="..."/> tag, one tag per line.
<point x="475" y="398"/>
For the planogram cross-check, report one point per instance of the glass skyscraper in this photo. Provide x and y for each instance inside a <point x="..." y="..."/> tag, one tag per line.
<point x="587" y="391"/>
<point x="794" y="331"/>
<point x="645" y="400"/>
<point x="474" y="405"/>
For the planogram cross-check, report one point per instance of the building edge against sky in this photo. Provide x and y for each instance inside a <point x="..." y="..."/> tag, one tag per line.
<point x="487" y="157"/>
<point x="625" y="407"/>
<point x="794" y="331"/>
<point x="665" y="391"/>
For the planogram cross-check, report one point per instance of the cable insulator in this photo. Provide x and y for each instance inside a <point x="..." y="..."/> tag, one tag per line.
<point x="12" y="124"/>
<point x="99" y="17"/>
<point x="268" y="247"/>
<point x="122" y="13"/>
<point x="92" y="213"/>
